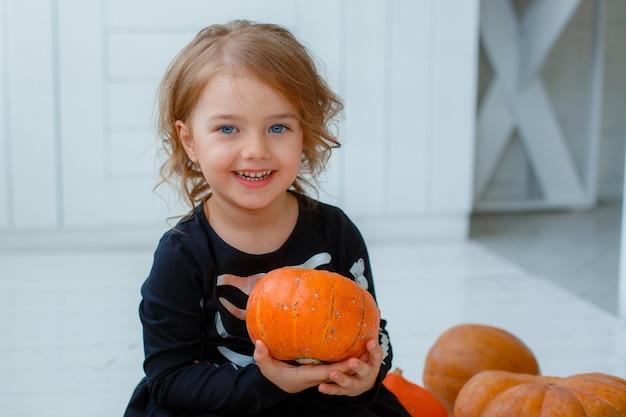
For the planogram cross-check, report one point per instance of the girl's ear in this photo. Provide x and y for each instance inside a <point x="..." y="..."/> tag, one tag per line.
<point x="186" y="140"/>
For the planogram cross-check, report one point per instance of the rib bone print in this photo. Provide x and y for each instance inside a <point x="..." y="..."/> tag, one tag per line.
<point x="233" y="292"/>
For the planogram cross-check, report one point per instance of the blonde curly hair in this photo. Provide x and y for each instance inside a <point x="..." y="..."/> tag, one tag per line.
<point x="266" y="51"/>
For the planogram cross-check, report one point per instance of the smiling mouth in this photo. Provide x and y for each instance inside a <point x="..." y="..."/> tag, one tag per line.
<point x="253" y="176"/>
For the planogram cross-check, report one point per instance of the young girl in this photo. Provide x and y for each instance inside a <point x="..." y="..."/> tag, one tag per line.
<point x="245" y="118"/>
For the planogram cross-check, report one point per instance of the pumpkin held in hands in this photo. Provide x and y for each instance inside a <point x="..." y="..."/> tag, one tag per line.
<point x="311" y="316"/>
<point x="501" y="393"/>
<point x="467" y="349"/>
<point x="415" y="399"/>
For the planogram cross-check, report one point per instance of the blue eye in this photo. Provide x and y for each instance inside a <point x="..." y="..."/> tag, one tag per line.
<point x="227" y="129"/>
<point x="278" y="128"/>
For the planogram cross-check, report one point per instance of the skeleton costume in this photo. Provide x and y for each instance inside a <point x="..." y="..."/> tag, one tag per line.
<point x="198" y="356"/>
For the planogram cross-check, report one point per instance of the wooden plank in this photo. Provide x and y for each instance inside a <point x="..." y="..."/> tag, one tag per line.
<point x="453" y="100"/>
<point x="82" y="74"/>
<point x="542" y="24"/>
<point x="326" y="47"/>
<point x="132" y="105"/>
<point x="131" y="202"/>
<point x="499" y="31"/>
<point x="414" y="228"/>
<point x="493" y="132"/>
<point x="139" y="55"/>
<point x="131" y="155"/>
<point x="196" y="14"/>
<point x="546" y="146"/>
<point x="5" y="150"/>
<point x="408" y="108"/>
<point x="366" y="134"/>
<point x="32" y="123"/>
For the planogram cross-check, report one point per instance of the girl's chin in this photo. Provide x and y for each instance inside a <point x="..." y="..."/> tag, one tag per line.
<point x="256" y="202"/>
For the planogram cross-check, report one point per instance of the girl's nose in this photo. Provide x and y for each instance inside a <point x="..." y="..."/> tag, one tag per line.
<point x="255" y="146"/>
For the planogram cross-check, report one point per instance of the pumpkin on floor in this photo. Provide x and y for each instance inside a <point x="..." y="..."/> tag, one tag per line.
<point x="311" y="316"/>
<point x="501" y="393"/>
<point x="415" y="399"/>
<point x="467" y="349"/>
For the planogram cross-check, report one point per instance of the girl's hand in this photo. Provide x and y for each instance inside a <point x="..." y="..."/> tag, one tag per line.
<point x="354" y="376"/>
<point x="289" y="378"/>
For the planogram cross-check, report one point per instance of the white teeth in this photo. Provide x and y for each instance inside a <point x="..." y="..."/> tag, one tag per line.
<point x="253" y="176"/>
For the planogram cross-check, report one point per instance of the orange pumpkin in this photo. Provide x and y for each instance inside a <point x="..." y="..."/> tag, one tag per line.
<point x="501" y="393"/>
<point x="311" y="316"/>
<point x="467" y="349"/>
<point x="415" y="399"/>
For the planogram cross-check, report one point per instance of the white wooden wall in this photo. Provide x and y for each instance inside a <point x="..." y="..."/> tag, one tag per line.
<point x="78" y="81"/>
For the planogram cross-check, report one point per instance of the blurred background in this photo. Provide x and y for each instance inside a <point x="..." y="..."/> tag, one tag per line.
<point x="499" y="123"/>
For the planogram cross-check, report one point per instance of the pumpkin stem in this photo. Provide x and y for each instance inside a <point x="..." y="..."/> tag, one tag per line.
<point x="397" y="371"/>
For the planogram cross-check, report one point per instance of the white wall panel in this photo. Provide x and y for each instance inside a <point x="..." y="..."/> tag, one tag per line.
<point x="131" y="201"/>
<point x="5" y="160"/>
<point x="326" y="46"/>
<point x="133" y="55"/>
<point x="82" y="97"/>
<point x="454" y="52"/>
<point x="366" y="131"/>
<point x="131" y="155"/>
<point x="131" y="104"/>
<point x="407" y="182"/>
<point x="148" y="14"/>
<point x="32" y="129"/>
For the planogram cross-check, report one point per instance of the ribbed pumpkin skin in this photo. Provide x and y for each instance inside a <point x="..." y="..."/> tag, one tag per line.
<point x="467" y="349"/>
<point x="311" y="316"/>
<point x="418" y="401"/>
<point x="501" y="394"/>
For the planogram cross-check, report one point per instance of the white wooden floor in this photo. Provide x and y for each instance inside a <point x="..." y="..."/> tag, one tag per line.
<point x="578" y="250"/>
<point x="70" y="339"/>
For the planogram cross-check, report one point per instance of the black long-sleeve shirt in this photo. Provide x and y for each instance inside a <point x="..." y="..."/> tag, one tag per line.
<point x="198" y="355"/>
